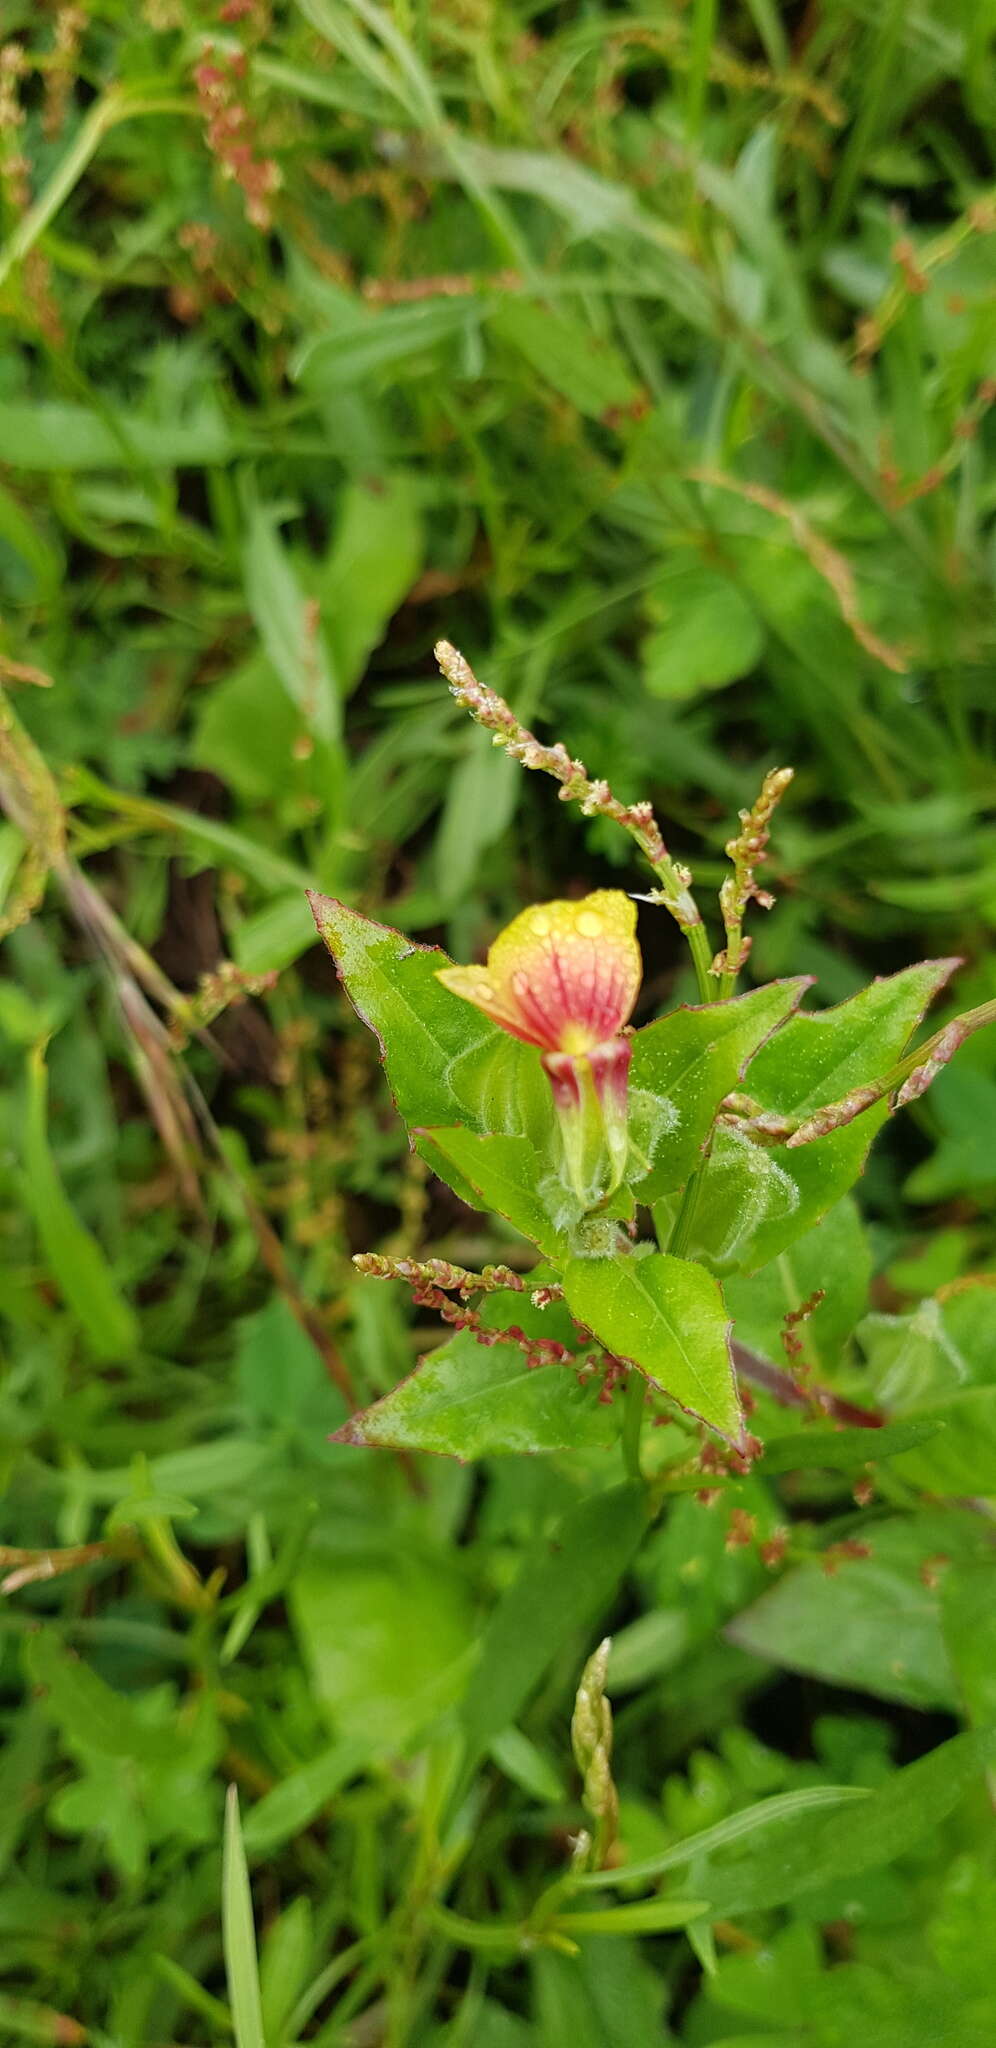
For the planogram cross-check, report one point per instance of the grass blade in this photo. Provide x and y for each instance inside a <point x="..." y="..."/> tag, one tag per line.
<point x="239" y="1935"/>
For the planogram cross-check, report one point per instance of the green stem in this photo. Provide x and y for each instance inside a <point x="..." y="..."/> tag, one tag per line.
<point x="681" y="1234"/>
<point x="728" y="979"/>
<point x="684" y="1221"/>
<point x="103" y="115"/>
<point x="698" y="940"/>
<point x="635" y="1400"/>
<point x="492" y="1937"/>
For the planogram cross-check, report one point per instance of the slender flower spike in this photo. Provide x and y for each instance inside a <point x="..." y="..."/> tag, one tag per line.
<point x="564" y="977"/>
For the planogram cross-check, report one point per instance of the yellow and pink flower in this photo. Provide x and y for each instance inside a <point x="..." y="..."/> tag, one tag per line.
<point x="564" y="977"/>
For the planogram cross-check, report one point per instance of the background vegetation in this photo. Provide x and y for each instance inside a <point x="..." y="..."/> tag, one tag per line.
<point x="648" y="357"/>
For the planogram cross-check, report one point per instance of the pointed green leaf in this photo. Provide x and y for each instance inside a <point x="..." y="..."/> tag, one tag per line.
<point x="805" y="1853"/>
<point x="293" y="1802"/>
<point x="834" y="1260"/>
<point x="560" y="348"/>
<point x="962" y="1460"/>
<point x="239" y="1934"/>
<point x="736" y="1828"/>
<point x="668" y="1317"/>
<point x="822" y="1055"/>
<point x="683" y="1066"/>
<point x="757" y="1199"/>
<point x="844" y="1450"/>
<point x="74" y="1258"/>
<point x="445" y="1062"/>
<point x="360" y="346"/>
<point x="375" y="558"/>
<point x="291" y="636"/>
<point x="471" y="1401"/>
<point x="875" y="1623"/>
<point x="706" y="631"/>
<point x="509" y="1176"/>
<point x="84" y="1706"/>
<point x="564" y="1585"/>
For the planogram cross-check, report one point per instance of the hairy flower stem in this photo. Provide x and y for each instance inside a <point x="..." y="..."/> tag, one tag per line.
<point x="698" y="942"/>
<point x="747" y="852"/>
<point x="595" y="798"/>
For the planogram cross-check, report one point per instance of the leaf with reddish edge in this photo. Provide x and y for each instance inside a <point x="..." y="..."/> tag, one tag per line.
<point x="470" y="1401"/>
<point x="667" y="1316"/>
<point x="682" y="1067"/>
<point x="509" y="1176"/>
<point x="391" y="983"/>
<point x="445" y="1062"/>
<point x="755" y="1200"/>
<point x="822" y="1055"/>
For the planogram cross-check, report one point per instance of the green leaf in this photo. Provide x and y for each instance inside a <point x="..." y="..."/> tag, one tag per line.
<point x="968" y="1618"/>
<point x="608" y="1995"/>
<point x="668" y="1316"/>
<point x="74" y="1258"/>
<point x="290" y="633"/>
<point x="804" y="1855"/>
<point x="299" y="1798"/>
<point x="385" y="1642"/>
<point x="946" y="1345"/>
<point x="527" y="1766"/>
<point x="288" y="1948"/>
<point x="587" y="371"/>
<point x="375" y="558"/>
<point x="844" y="1450"/>
<point x="874" y="1624"/>
<point x="212" y="842"/>
<point x="563" y="1587"/>
<point x="245" y="730"/>
<point x="962" y="1458"/>
<point x="758" y="1199"/>
<point x="60" y="436"/>
<point x="435" y="1048"/>
<point x="481" y="795"/>
<point x="360" y="345"/>
<point x="239" y="1934"/>
<point x="682" y="1067"/>
<point x="707" y="632"/>
<point x="820" y="1057"/>
<point x="833" y="1259"/>
<point x="471" y="1401"/>
<point x="938" y="1365"/>
<point x="274" y="936"/>
<point x="767" y="1813"/>
<point x="509" y="1176"/>
<point x="222" y="1465"/>
<point x="83" y="1705"/>
<point x="445" y="1062"/>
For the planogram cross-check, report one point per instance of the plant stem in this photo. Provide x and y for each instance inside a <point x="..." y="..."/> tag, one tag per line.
<point x="635" y="1399"/>
<point x="103" y="115"/>
<point x="698" y="940"/>
<point x="681" y="1234"/>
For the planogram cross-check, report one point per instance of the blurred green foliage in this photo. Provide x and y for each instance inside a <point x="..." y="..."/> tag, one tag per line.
<point x="648" y="357"/>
